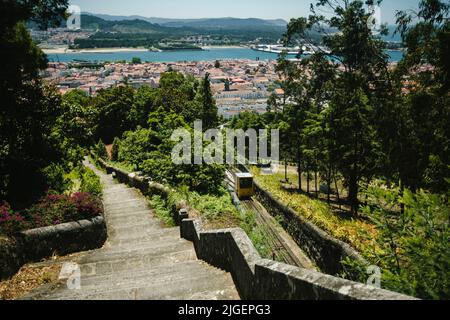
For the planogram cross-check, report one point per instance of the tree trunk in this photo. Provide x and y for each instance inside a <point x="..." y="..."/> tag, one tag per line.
<point x="337" y="190"/>
<point x="402" y="190"/>
<point x="308" y="178"/>
<point x="353" y="194"/>
<point x="329" y="182"/>
<point x="285" y="169"/>
<point x="316" y="183"/>
<point x="299" y="169"/>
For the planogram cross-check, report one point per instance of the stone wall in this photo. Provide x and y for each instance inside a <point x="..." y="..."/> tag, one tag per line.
<point x="326" y="251"/>
<point x="261" y="279"/>
<point x="37" y="244"/>
<point x="11" y="257"/>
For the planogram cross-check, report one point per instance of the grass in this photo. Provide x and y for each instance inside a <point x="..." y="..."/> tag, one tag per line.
<point x="122" y="166"/>
<point x="355" y="231"/>
<point x="162" y="210"/>
<point x="215" y="211"/>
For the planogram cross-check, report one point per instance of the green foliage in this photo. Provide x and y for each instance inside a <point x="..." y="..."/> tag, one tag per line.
<point x="162" y="210"/>
<point x="51" y="210"/>
<point x="136" y="60"/>
<point x="115" y="149"/>
<point x="77" y="118"/>
<point x="100" y="150"/>
<point x="209" y="108"/>
<point x="255" y="233"/>
<point x="412" y="244"/>
<point x="31" y="138"/>
<point x="90" y="183"/>
<point x="112" y="112"/>
<point x="213" y="207"/>
<point x="134" y="147"/>
<point x="57" y="181"/>
<point x="143" y="104"/>
<point x="149" y="150"/>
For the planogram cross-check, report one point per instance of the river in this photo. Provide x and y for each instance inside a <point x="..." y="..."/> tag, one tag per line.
<point x="174" y="56"/>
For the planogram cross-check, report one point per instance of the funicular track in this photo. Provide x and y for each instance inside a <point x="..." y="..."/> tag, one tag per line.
<point x="281" y="245"/>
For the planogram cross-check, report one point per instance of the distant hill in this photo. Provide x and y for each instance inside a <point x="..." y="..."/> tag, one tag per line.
<point x="214" y="23"/>
<point x="131" y="32"/>
<point x="122" y="26"/>
<point x="226" y="24"/>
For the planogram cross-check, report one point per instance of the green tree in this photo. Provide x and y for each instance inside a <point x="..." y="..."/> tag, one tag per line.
<point x="412" y="246"/>
<point x="113" y="107"/>
<point x="28" y="142"/>
<point x="205" y="97"/>
<point x="136" y="60"/>
<point x="77" y="119"/>
<point x="364" y="63"/>
<point x="426" y="35"/>
<point x="144" y="103"/>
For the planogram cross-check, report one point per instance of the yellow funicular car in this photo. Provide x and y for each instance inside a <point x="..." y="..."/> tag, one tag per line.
<point x="244" y="185"/>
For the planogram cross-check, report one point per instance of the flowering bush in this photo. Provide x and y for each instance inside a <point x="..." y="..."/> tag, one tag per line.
<point x="11" y="222"/>
<point x="88" y="206"/>
<point x="51" y="210"/>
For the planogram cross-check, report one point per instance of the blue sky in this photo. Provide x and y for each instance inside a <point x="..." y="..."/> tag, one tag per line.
<point x="266" y="9"/>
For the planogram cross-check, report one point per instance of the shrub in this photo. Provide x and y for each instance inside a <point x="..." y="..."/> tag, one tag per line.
<point x="412" y="244"/>
<point x="100" y="150"/>
<point x="88" y="206"/>
<point x="162" y="210"/>
<point x="10" y="222"/>
<point x="53" y="209"/>
<point x="90" y="183"/>
<point x="115" y="150"/>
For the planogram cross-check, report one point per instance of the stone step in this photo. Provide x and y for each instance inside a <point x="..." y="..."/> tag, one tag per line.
<point x="114" y="237"/>
<point x="154" y="236"/>
<point x="131" y="207"/>
<point x="125" y="220"/>
<point x="181" y="288"/>
<point x="132" y="214"/>
<point x="115" y="194"/>
<point x="143" y="229"/>
<point x="117" y="201"/>
<point x="141" y="259"/>
<point x="145" y="253"/>
<point x="150" y="275"/>
<point x="138" y="263"/>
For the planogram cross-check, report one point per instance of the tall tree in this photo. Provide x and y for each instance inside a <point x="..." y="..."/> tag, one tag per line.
<point x="29" y="110"/>
<point x="209" y="109"/>
<point x="363" y="60"/>
<point x="426" y="66"/>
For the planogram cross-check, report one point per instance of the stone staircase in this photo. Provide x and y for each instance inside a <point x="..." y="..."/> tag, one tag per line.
<point x="141" y="259"/>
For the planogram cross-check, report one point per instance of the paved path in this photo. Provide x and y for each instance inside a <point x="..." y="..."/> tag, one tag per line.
<point x="141" y="259"/>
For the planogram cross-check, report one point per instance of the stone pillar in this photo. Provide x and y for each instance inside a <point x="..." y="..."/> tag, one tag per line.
<point x="182" y="214"/>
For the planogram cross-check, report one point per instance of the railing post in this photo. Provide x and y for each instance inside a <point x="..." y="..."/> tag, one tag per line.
<point x="182" y="214"/>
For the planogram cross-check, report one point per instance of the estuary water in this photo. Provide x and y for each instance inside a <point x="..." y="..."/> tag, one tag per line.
<point x="176" y="56"/>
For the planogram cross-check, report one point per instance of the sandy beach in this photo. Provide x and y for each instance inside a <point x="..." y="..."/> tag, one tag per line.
<point x="96" y="50"/>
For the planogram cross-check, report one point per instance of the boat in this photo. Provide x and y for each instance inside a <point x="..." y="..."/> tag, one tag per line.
<point x="278" y="49"/>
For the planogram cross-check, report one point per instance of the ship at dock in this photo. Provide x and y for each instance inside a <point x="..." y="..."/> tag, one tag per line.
<point x="278" y="49"/>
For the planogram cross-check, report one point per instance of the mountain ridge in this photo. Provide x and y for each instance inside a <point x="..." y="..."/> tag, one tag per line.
<point x="196" y="23"/>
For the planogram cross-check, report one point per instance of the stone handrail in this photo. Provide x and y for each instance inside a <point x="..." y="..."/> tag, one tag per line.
<point x="262" y="279"/>
<point x="37" y="244"/>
